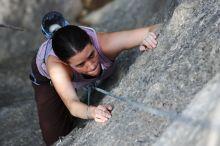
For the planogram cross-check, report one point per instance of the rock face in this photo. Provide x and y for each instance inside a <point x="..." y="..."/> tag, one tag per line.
<point x="28" y="14"/>
<point x="91" y="5"/>
<point x="203" y="125"/>
<point x="18" y="116"/>
<point x="166" y="78"/>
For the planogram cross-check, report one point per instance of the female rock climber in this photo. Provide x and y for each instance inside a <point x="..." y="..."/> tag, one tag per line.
<point x="72" y="57"/>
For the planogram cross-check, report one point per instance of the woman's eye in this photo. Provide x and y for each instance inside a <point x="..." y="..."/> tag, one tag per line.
<point x="91" y="56"/>
<point x="81" y="64"/>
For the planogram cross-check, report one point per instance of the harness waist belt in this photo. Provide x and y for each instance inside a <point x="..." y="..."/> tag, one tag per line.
<point x="37" y="82"/>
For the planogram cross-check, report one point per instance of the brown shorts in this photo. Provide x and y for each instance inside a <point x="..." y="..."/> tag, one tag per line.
<point x="54" y="118"/>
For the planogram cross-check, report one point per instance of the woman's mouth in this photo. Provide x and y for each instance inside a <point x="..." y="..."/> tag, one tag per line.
<point x="95" y="70"/>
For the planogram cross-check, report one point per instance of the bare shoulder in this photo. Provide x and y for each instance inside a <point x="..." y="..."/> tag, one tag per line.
<point x="105" y="38"/>
<point x="56" y="67"/>
<point x="53" y="63"/>
<point x="102" y="38"/>
<point x="53" y="59"/>
<point x="112" y="43"/>
<point x="106" y="44"/>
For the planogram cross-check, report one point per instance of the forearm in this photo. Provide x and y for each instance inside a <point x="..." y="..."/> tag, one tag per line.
<point x="81" y="110"/>
<point x="114" y="43"/>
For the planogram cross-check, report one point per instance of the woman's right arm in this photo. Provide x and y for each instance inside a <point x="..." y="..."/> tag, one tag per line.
<point x="60" y="75"/>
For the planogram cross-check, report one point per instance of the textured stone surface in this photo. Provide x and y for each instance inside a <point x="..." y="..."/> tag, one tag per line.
<point x="203" y="125"/>
<point x="91" y="5"/>
<point x="168" y="77"/>
<point x="18" y="115"/>
<point x="28" y="14"/>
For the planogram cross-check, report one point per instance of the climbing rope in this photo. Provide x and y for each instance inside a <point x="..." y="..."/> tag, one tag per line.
<point x="12" y="27"/>
<point x="171" y="115"/>
<point x="143" y="107"/>
<point x="154" y="111"/>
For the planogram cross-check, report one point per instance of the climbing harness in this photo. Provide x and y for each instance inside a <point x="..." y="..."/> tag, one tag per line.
<point x="37" y="82"/>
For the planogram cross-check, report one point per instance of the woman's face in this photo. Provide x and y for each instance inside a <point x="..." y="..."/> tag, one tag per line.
<point x="86" y="61"/>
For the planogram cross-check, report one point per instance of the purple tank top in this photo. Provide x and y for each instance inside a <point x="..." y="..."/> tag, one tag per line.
<point x="78" y="79"/>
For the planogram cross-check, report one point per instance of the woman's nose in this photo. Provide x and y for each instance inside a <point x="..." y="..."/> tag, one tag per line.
<point x="91" y="65"/>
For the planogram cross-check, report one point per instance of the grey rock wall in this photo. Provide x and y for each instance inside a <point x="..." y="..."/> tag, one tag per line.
<point x="27" y="15"/>
<point x="166" y="78"/>
<point x="18" y="116"/>
<point x="202" y="127"/>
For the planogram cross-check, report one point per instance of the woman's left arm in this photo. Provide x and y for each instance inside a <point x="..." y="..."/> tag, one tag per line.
<point x="114" y="43"/>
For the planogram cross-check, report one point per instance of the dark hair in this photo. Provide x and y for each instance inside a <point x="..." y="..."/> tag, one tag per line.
<point x="69" y="40"/>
